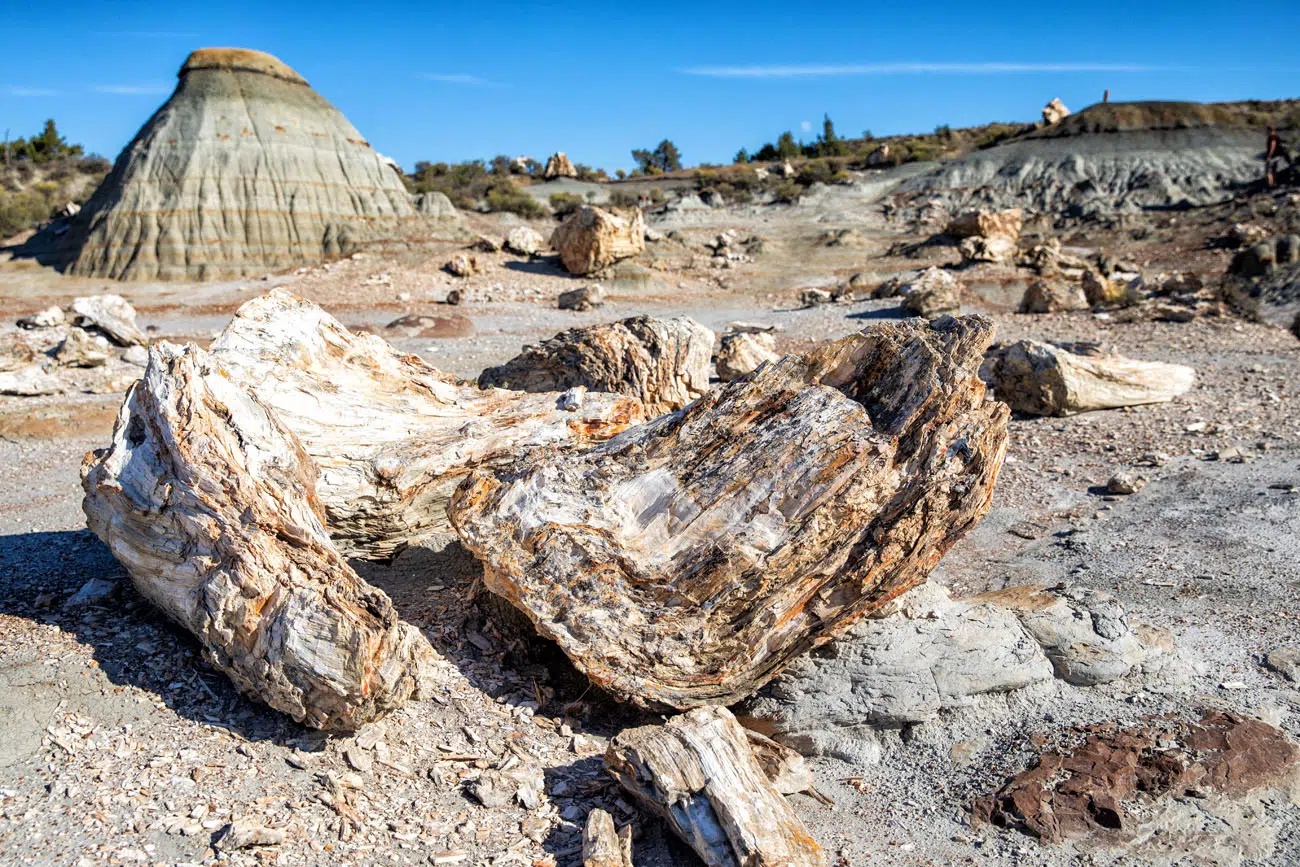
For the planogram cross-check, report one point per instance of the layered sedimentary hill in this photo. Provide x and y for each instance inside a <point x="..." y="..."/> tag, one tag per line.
<point x="1117" y="157"/>
<point x="244" y="169"/>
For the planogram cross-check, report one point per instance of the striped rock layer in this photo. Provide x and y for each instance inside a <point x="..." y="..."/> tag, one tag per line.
<point x="244" y="170"/>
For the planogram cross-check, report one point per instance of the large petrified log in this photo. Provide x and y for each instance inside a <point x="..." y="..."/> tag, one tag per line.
<point x="592" y="238"/>
<point x="699" y="774"/>
<point x="1042" y="379"/>
<point x="686" y="561"/>
<point x="663" y="362"/>
<point x="391" y="435"/>
<point x="207" y="501"/>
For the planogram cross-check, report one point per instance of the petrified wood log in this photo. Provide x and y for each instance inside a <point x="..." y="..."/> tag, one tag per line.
<point x="207" y="501"/>
<point x="1042" y="379"/>
<point x="688" y="560"/>
<point x="602" y="846"/>
<point x="391" y="435"/>
<point x="698" y="773"/>
<point x="662" y="362"/>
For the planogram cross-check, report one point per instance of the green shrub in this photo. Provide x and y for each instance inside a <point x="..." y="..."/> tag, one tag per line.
<point x="623" y="199"/>
<point x="788" y="192"/>
<point x="564" y="204"/>
<point x="508" y="197"/>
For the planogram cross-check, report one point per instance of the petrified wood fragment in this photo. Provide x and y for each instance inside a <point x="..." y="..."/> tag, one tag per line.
<point x="207" y="501"/>
<point x="662" y="362"/>
<point x="602" y="846"/>
<point x="686" y="561"/>
<point x="698" y="773"/>
<point x="391" y="435"/>
<point x="1042" y="379"/>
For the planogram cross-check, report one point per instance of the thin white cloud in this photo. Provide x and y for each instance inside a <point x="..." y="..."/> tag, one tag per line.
<point x="31" y="91"/>
<point x="458" y="78"/>
<point x="805" y="125"/>
<point x="856" y="69"/>
<point x="132" y="89"/>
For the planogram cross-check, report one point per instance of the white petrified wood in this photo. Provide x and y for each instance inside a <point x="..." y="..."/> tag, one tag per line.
<point x="686" y="561"/>
<point x="207" y="501"/>
<point x="698" y="773"/>
<point x="1042" y="379"/>
<point x="391" y="435"/>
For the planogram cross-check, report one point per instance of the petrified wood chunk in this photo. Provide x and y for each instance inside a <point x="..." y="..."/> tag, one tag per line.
<point x="688" y="560"/>
<point x="207" y="501"/>
<point x="593" y="238"/>
<point x="663" y="362"/>
<point x="698" y="773"/>
<point x="602" y="846"/>
<point x="391" y="435"/>
<point x="1042" y="379"/>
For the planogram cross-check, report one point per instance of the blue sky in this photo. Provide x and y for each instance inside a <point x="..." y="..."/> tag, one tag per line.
<point x="455" y="81"/>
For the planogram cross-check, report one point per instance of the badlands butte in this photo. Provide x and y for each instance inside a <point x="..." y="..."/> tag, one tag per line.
<point x="863" y="508"/>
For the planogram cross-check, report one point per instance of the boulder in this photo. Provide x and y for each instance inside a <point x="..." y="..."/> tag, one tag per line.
<point x="1245" y="235"/>
<point x="435" y="205"/>
<point x="209" y="503"/>
<point x="586" y="298"/>
<point x="1055" y="112"/>
<point x="664" y="363"/>
<point x="111" y="314"/>
<point x="996" y="250"/>
<point x="390" y="435"/>
<point x="933" y="293"/>
<point x="1103" y="291"/>
<point x="1265" y="257"/>
<point x="1042" y="379"/>
<point x="743" y="352"/>
<point x="1049" y="259"/>
<point x="815" y="297"/>
<point x="559" y="166"/>
<point x="28" y="381"/>
<point x="988" y="224"/>
<point x="687" y="561"/>
<point x="462" y="265"/>
<point x="82" y="349"/>
<point x="1053" y="296"/>
<point x="593" y="238"/>
<point x="50" y="317"/>
<point x="524" y="241"/>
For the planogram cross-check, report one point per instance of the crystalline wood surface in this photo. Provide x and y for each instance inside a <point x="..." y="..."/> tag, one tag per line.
<point x="391" y="435"/>
<point x="207" y="501"/>
<point x="698" y="773"/>
<point x="686" y="561"/>
<point x="602" y="845"/>
<point x="662" y="362"/>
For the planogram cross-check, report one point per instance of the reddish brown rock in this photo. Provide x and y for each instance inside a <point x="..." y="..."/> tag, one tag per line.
<point x="1105" y="783"/>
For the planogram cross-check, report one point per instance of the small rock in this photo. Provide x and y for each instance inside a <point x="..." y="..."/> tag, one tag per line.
<point x="462" y="265"/>
<point x="242" y="833"/>
<point x="83" y="349"/>
<point x="93" y="592"/>
<point x="111" y="314"/>
<point x="814" y="297"/>
<point x="1125" y="483"/>
<point x="586" y="298"/>
<point x="454" y="297"/>
<point x="28" y="381"/>
<point x="359" y="759"/>
<point x="523" y="241"/>
<point x="571" y="400"/>
<point x="47" y="318"/>
<point x="1286" y="662"/>
<point x="137" y="355"/>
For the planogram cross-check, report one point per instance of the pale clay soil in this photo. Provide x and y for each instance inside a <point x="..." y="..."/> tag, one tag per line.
<point x="118" y="744"/>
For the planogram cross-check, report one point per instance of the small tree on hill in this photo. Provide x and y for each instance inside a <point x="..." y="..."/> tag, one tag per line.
<point x="742" y="156"/>
<point x="787" y="147"/>
<point x="664" y="158"/>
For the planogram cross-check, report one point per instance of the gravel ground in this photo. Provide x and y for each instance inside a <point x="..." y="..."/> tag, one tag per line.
<point x="122" y="746"/>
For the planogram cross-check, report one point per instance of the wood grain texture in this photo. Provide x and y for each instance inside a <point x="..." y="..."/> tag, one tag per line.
<point x="602" y="846"/>
<point x="391" y="435"/>
<point x="686" y="561"/>
<point x="664" y="363"/>
<point x="207" y="501"/>
<point x="698" y="773"/>
<point x="1042" y="379"/>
